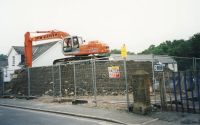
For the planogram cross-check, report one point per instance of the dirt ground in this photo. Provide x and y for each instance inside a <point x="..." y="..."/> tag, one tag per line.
<point x="107" y="102"/>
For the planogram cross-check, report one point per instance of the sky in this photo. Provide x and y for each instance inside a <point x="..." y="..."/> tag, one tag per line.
<point x="136" y="23"/>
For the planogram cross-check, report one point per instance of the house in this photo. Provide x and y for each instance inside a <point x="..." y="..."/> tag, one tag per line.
<point x="43" y="55"/>
<point x="164" y="60"/>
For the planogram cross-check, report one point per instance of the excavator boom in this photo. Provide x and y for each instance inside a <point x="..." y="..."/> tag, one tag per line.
<point x="53" y="34"/>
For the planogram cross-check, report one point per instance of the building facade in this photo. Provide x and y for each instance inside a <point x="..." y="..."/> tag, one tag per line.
<point x="43" y="55"/>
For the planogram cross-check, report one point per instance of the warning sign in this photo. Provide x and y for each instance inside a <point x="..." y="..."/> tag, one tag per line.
<point x="123" y="51"/>
<point x="114" y="72"/>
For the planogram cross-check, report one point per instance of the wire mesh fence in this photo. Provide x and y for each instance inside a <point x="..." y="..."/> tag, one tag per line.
<point x="111" y="83"/>
<point x="5" y="85"/>
<point x="83" y="80"/>
<point x="185" y="63"/>
<point x="172" y="89"/>
<point x="39" y="81"/>
<point x="197" y="63"/>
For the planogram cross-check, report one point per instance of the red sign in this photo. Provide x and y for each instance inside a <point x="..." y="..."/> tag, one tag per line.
<point x="114" y="72"/>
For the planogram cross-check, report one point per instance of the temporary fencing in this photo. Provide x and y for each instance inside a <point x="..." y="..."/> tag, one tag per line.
<point x="111" y="83"/>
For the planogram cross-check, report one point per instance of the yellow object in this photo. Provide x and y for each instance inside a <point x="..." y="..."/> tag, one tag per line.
<point x="123" y="51"/>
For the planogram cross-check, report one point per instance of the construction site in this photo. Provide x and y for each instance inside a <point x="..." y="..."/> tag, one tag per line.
<point x="89" y="75"/>
<point x="100" y="62"/>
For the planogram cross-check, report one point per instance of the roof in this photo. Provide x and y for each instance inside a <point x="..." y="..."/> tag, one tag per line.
<point x="41" y="48"/>
<point x="149" y="57"/>
<point x="37" y="50"/>
<point x="19" y="49"/>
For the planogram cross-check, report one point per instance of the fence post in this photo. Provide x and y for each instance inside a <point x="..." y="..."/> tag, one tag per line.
<point x="164" y="91"/>
<point x="95" y="86"/>
<point x="154" y="85"/>
<point x="3" y="87"/>
<point x="192" y="92"/>
<point x="186" y="91"/>
<point x="60" y="77"/>
<point x="170" y="91"/>
<point x="53" y="84"/>
<point x="74" y="81"/>
<point x="180" y="91"/>
<point x="125" y="75"/>
<point x="28" y="82"/>
<point x="174" y="85"/>
<point x="193" y="63"/>
<point x="197" y="85"/>
<point x="162" y="88"/>
<point x="93" y="80"/>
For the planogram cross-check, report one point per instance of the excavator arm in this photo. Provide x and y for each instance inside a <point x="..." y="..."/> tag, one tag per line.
<point x="52" y="34"/>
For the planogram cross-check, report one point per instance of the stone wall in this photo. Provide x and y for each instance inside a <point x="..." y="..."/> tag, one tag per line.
<point x="42" y="78"/>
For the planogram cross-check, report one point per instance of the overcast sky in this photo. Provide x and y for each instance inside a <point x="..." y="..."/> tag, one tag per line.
<point x="137" y="23"/>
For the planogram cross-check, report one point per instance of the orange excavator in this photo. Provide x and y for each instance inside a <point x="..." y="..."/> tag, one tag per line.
<point x="73" y="46"/>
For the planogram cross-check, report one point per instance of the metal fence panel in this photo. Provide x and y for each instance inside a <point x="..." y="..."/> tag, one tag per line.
<point x="39" y="81"/>
<point x="110" y="85"/>
<point x="67" y="81"/>
<point x="103" y="82"/>
<point x="197" y="64"/>
<point x="56" y="81"/>
<point x="185" y="63"/>
<point x="83" y="78"/>
<point x="182" y="91"/>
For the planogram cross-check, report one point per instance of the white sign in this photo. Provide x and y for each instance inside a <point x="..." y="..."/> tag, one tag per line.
<point x="158" y="67"/>
<point x="114" y="72"/>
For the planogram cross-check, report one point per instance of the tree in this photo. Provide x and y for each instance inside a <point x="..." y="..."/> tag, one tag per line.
<point x="194" y="45"/>
<point x="149" y="50"/>
<point x="117" y="51"/>
<point x="2" y="56"/>
<point x="181" y="48"/>
<point x="130" y="53"/>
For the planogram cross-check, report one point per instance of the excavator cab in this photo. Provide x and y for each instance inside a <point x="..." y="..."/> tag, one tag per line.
<point x="71" y="43"/>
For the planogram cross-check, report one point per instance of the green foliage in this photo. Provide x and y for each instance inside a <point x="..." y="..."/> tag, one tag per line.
<point x="181" y="48"/>
<point x="117" y="51"/>
<point x="130" y="53"/>
<point x="2" y="56"/>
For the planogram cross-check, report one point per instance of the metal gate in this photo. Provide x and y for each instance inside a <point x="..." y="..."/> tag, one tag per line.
<point x="181" y="91"/>
<point x="186" y="91"/>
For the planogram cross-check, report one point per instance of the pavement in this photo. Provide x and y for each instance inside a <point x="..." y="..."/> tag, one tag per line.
<point x="109" y="115"/>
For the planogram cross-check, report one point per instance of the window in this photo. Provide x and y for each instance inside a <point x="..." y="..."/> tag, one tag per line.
<point x="67" y="45"/>
<point x="13" y="60"/>
<point x="75" y="42"/>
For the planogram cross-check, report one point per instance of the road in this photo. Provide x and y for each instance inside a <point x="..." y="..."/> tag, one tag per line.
<point x="14" y="116"/>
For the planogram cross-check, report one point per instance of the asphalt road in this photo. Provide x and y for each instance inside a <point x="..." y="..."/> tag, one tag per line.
<point x="13" y="116"/>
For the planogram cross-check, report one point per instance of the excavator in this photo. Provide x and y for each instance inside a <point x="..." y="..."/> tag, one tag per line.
<point x="72" y="46"/>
